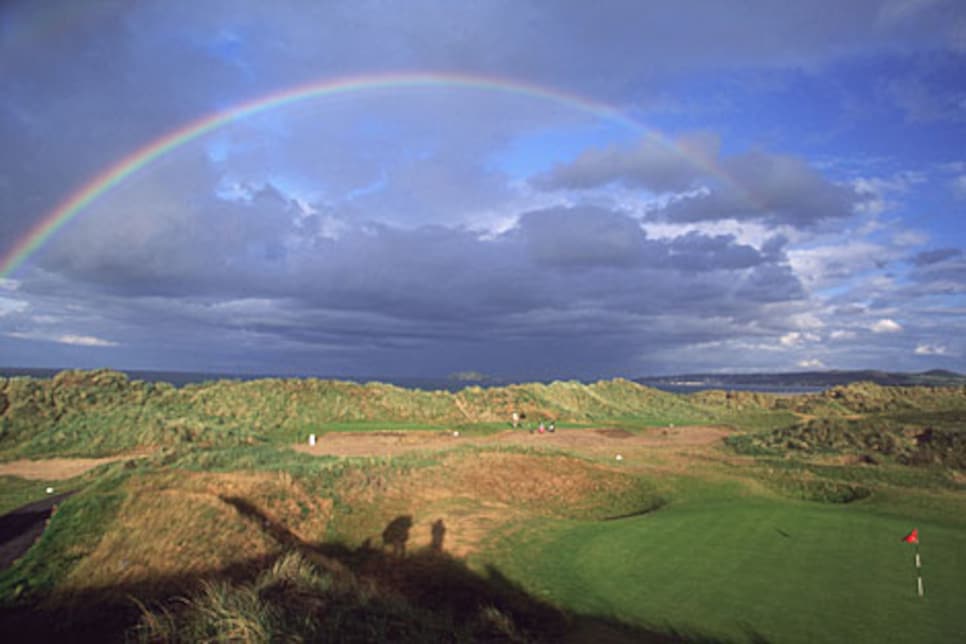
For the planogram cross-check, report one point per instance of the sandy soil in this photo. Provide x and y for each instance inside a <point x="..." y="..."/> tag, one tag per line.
<point x="57" y="469"/>
<point x="593" y="441"/>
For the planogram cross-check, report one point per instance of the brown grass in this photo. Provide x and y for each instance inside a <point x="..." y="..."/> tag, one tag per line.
<point x="472" y="493"/>
<point x="181" y="523"/>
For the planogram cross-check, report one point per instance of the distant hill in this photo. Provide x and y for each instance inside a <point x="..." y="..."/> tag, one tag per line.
<point x="935" y="377"/>
<point x="105" y="412"/>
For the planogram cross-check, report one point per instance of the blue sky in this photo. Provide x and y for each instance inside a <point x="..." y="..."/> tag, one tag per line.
<point x="803" y="211"/>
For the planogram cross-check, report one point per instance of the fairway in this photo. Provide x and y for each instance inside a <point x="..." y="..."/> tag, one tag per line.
<point x="740" y="568"/>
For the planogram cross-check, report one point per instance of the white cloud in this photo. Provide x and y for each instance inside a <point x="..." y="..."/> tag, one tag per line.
<point x="76" y="340"/>
<point x="794" y="338"/>
<point x="822" y="265"/>
<point x="930" y="350"/>
<point x="841" y="335"/>
<point x="85" y="341"/>
<point x="790" y="339"/>
<point x="8" y="284"/>
<point x="885" y="325"/>
<point x="806" y="321"/>
<point x="910" y="238"/>
<point x="813" y="363"/>
<point x="9" y="305"/>
<point x="880" y="192"/>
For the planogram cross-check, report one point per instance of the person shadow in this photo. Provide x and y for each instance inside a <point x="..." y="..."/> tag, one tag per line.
<point x="438" y="533"/>
<point x="396" y="534"/>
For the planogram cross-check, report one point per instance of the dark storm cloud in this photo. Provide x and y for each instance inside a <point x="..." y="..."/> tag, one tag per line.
<point x="579" y="238"/>
<point x="561" y="276"/>
<point x="778" y="189"/>
<point x="697" y="251"/>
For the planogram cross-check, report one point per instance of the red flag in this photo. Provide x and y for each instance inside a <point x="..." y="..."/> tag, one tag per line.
<point x="912" y="537"/>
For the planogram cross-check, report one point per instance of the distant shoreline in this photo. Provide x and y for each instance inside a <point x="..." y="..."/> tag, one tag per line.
<point x="783" y="383"/>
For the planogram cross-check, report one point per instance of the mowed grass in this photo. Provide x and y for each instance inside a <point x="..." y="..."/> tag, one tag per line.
<point x="742" y="567"/>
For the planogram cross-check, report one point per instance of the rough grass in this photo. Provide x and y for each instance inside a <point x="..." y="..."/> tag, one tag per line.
<point x="181" y="523"/>
<point x="298" y="600"/>
<point x="72" y="534"/>
<point x="933" y="438"/>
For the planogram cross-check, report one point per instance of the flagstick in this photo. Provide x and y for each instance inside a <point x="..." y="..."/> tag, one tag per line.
<point x="919" y="570"/>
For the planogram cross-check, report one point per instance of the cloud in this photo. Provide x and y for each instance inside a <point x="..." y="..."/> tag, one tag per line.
<point x="757" y="185"/>
<point x="653" y="164"/>
<point x="561" y="278"/>
<point x="936" y="255"/>
<point x="958" y="186"/>
<point x="583" y="238"/>
<point x="879" y="194"/>
<point x="842" y="334"/>
<point x="85" y="341"/>
<point x="886" y="325"/>
<point x="435" y="228"/>
<point x="930" y="350"/>
<point x="822" y="265"/>
<point x="813" y="363"/>
<point x="795" y="338"/>
<point x="10" y="306"/>
<point x="777" y="189"/>
<point x="790" y="339"/>
<point x="921" y="102"/>
<point x="77" y="340"/>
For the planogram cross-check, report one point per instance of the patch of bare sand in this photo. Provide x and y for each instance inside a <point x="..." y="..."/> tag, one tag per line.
<point x="58" y="469"/>
<point x="591" y="441"/>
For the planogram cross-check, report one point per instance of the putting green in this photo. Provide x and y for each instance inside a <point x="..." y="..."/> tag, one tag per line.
<point x="743" y="568"/>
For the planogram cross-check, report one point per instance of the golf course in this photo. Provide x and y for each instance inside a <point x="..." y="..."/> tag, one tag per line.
<point x="205" y="512"/>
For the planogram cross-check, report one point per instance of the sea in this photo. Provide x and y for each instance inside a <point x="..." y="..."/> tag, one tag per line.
<point x="182" y="378"/>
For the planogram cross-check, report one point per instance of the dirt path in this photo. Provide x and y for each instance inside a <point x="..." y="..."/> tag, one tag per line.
<point x="21" y="527"/>
<point x="57" y="469"/>
<point x="592" y="441"/>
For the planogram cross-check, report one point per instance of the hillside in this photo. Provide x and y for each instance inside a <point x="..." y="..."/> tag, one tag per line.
<point x="103" y="412"/>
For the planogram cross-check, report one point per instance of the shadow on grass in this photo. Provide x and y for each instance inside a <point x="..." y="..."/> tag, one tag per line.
<point x="444" y="599"/>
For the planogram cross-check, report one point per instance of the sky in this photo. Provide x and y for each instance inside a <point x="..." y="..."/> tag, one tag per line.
<point x="524" y="189"/>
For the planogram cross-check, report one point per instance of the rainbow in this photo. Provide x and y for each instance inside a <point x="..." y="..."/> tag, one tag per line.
<point x="97" y="186"/>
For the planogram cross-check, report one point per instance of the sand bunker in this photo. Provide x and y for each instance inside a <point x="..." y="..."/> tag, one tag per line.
<point x="594" y="441"/>
<point x="57" y="469"/>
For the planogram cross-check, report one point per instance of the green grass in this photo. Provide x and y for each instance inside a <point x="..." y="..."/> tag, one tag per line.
<point x="729" y="564"/>
<point x="73" y="532"/>
<point x="15" y="491"/>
